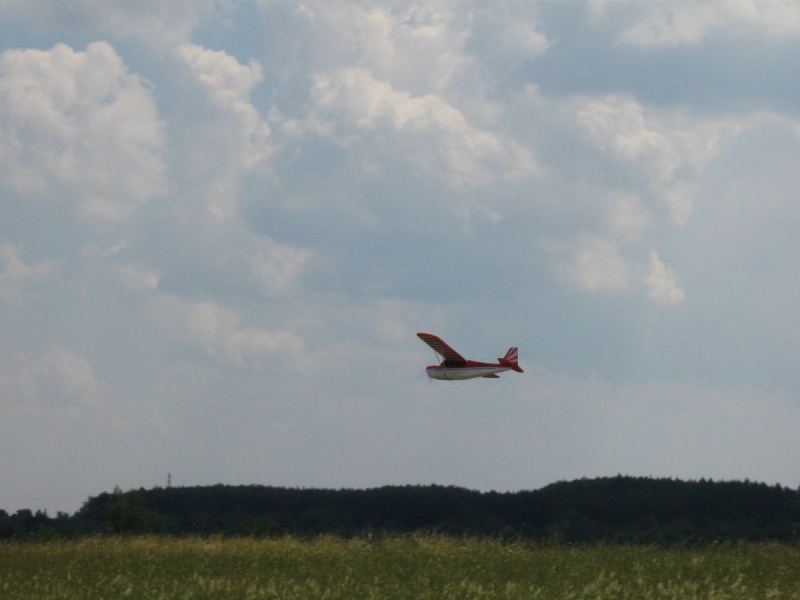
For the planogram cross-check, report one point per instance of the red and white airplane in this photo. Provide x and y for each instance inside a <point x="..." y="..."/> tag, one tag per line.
<point x="454" y="367"/>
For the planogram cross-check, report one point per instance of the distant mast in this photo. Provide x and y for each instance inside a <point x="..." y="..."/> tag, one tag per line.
<point x="169" y="480"/>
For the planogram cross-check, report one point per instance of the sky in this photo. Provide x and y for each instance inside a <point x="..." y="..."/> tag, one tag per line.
<point x="223" y="222"/>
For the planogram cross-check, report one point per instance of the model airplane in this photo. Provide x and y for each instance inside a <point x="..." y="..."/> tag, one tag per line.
<point x="454" y="367"/>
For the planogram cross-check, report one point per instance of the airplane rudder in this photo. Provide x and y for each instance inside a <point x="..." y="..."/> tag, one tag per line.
<point x="511" y="359"/>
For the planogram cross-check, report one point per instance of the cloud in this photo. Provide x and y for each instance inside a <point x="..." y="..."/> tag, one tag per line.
<point x="597" y="265"/>
<point x="16" y="276"/>
<point x="77" y="128"/>
<point x="68" y="424"/>
<point x="691" y="24"/>
<point x="138" y="279"/>
<point x="217" y="330"/>
<point x="371" y="117"/>
<point x="353" y="105"/>
<point x="206" y="325"/>
<point x="108" y="266"/>
<point x="228" y="84"/>
<point x="58" y="380"/>
<point x="75" y="376"/>
<point x="234" y="139"/>
<point x="390" y="41"/>
<point x="662" y="282"/>
<point x="685" y="429"/>
<point x="161" y="23"/>
<point x="628" y="219"/>
<point x="666" y="149"/>
<point x="465" y="46"/>
<point x="263" y="195"/>
<point x="278" y="270"/>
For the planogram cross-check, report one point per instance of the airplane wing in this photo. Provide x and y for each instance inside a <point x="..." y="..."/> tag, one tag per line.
<point x="445" y="351"/>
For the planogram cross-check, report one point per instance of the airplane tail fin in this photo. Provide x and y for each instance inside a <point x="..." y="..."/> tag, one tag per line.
<point x="510" y="360"/>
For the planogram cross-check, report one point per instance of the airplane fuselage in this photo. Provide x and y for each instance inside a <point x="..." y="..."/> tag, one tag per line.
<point x="467" y="372"/>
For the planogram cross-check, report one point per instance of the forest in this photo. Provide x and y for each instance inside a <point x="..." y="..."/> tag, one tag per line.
<point x="619" y="509"/>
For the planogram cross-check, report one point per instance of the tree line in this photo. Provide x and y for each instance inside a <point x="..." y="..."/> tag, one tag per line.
<point x="618" y="509"/>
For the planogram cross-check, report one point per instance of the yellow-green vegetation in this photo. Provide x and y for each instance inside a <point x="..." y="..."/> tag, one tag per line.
<point x="415" y="567"/>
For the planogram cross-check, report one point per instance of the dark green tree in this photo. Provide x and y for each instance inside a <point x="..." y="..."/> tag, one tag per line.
<point x="128" y="514"/>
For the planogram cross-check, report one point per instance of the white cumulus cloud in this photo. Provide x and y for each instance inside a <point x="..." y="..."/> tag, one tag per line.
<point x="78" y="128"/>
<point x="237" y="138"/>
<point x="668" y="150"/>
<point x="439" y="136"/>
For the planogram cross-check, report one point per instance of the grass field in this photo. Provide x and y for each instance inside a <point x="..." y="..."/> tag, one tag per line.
<point x="400" y="567"/>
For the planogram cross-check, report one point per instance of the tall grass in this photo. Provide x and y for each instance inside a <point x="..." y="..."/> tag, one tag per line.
<point x="395" y="567"/>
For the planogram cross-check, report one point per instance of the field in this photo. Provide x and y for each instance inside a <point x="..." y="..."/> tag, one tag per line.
<point x="395" y="567"/>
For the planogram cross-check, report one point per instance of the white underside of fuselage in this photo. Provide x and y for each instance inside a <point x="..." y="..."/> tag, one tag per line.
<point x="459" y="373"/>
